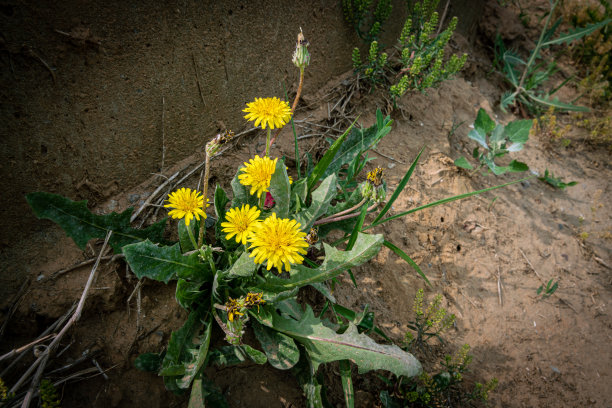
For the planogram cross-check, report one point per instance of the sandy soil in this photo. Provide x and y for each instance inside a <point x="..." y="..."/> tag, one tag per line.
<point x="487" y="255"/>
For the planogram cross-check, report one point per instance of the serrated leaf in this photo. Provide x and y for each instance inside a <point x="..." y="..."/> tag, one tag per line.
<point x="518" y="131"/>
<point x="280" y="190"/>
<point x="335" y="263"/>
<point x="243" y="267"/>
<point x="81" y="225"/>
<point x="163" y="263"/>
<point x="187" y="292"/>
<point x="359" y="141"/>
<point x="325" y="345"/>
<point x="300" y="189"/>
<point x="280" y="349"/>
<point x="187" y="350"/>
<point x="507" y="99"/>
<point x="483" y="123"/>
<point x="321" y="198"/>
<point x="150" y="362"/>
<point x="517" y="166"/>
<point x="221" y="201"/>
<point x="463" y="163"/>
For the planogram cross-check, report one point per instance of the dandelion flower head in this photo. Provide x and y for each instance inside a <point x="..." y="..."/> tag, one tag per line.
<point x="240" y="222"/>
<point x="186" y="204"/>
<point x="278" y="241"/>
<point x="272" y="112"/>
<point x="257" y="174"/>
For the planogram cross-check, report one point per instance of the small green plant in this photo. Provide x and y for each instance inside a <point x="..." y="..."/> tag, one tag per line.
<point x="373" y="70"/>
<point x="366" y="19"/>
<point x="48" y="395"/>
<point x="428" y="323"/>
<point x="556" y="182"/>
<point x="548" y="290"/>
<point x="497" y="140"/>
<point x="547" y="128"/>
<point x="529" y="78"/>
<point x="421" y="50"/>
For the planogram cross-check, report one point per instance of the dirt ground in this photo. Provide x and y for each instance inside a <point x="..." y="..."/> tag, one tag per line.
<point x="487" y="255"/>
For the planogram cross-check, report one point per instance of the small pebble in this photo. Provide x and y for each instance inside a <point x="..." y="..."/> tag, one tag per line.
<point x="391" y="165"/>
<point x="555" y="369"/>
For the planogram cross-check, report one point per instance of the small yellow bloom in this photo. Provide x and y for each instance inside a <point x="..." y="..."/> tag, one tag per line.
<point x="187" y="204"/>
<point x="376" y="176"/>
<point x="240" y="222"/>
<point x="272" y="112"/>
<point x="257" y="174"/>
<point x="278" y="241"/>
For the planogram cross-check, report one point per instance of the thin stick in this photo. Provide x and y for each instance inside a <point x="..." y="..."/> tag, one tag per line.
<point x="443" y="17"/>
<point x="161" y="169"/>
<point x="499" y="291"/>
<point x="195" y="68"/>
<point x="13" y="308"/>
<point x="152" y="196"/>
<point x="84" y="263"/>
<point x="388" y="157"/>
<point x="26" y="347"/>
<point x="43" y="358"/>
<point x="93" y="360"/>
<point x="344" y="217"/>
<point x="531" y="266"/>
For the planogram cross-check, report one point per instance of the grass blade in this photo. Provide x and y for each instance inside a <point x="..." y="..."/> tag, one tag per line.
<point x="406" y="258"/>
<point x="347" y="383"/>
<point x="443" y="201"/>
<point x="322" y="165"/>
<point x="400" y="188"/>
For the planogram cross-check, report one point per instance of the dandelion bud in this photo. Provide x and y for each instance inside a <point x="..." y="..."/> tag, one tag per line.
<point x="301" y="56"/>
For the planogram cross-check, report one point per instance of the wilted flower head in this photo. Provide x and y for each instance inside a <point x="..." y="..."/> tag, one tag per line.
<point x="301" y="56"/>
<point x="222" y="138"/>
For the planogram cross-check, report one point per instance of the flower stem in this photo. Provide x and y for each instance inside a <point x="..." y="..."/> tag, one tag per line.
<point x="268" y="142"/>
<point x="191" y="236"/>
<point x="295" y="102"/>
<point x="205" y="193"/>
<point x="344" y="217"/>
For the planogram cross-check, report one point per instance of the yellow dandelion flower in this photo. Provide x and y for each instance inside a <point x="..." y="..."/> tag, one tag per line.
<point x="187" y="204"/>
<point x="278" y="241"/>
<point x="257" y="174"/>
<point x="240" y="222"/>
<point x="272" y="112"/>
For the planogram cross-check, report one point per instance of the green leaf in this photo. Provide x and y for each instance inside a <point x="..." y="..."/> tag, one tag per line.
<point x="335" y="263"/>
<point x="497" y="170"/>
<point x="233" y="355"/>
<point x="184" y="240"/>
<point x="518" y="131"/>
<point x="325" y="345"/>
<point x="497" y="136"/>
<point x="577" y="33"/>
<point x="183" y="356"/>
<point x="300" y="189"/>
<point x="221" y="201"/>
<point x="444" y="201"/>
<point x="164" y="263"/>
<point x="241" y="193"/>
<point x="347" y="383"/>
<point x="463" y="163"/>
<point x="400" y="187"/>
<point x="556" y="182"/>
<point x="483" y="123"/>
<point x="150" y="362"/>
<point x="280" y="190"/>
<point x="507" y="99"/>
<point x="280" y="349"/>
<point x="480" y="138"/>
<point x="321" y="168"/>
<point x="81" y="225"/>
<point x="306" y="375"/>
<point x="205" y="393"/>
<point x="187" y="292"/>
<point x="557" y="104"/>
<point x="244" y="267"/>
<point x="358" y="142"/>
<point x="321" y="198"/>
<point x="406" y="258"/>
<point x="517" y="166"/>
